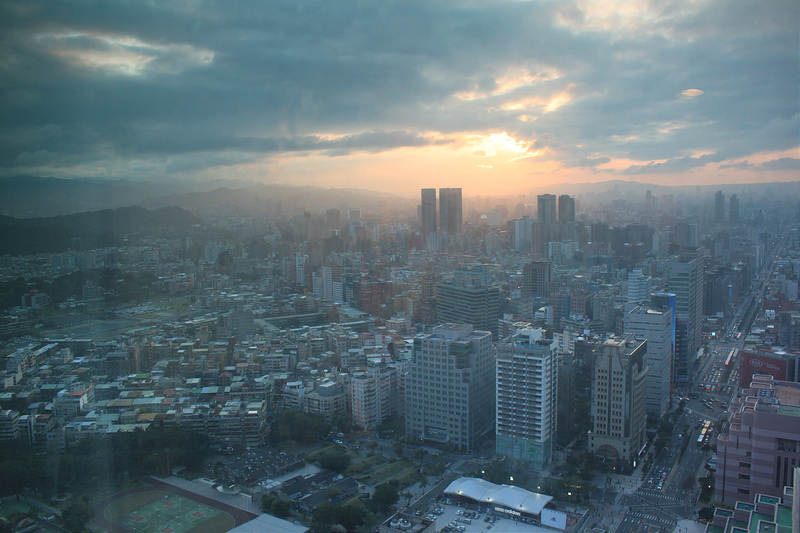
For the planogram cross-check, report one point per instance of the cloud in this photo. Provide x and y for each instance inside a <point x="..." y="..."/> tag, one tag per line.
<point x="742" y="165"/>
<point x="186" y="87"/>
<point x="784" y="163"/>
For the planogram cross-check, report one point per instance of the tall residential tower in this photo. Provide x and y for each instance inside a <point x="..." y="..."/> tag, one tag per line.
<point x="527" y="380"/>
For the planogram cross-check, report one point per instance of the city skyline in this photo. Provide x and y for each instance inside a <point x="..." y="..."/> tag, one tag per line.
<point x="491" y="97"/>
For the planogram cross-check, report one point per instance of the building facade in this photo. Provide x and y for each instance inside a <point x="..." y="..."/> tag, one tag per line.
<point x="566" y="208"/>
<point x="760" y="443"/>
<point x="428" y="212"/>
<point x="685" y="279"/>
<point x="619" y="385"/>
<point x="655" y="325"/>
<point x="450" y="389"/>
<point x="546" y="205"/>
<point x="468" y="301"/>
<point x="526" y="398"/>
<point x="450" y="211"/>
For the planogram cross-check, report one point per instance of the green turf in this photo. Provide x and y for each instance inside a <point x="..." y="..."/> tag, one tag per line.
<point x="384" y="472"/>
<point x="160" y="512"/>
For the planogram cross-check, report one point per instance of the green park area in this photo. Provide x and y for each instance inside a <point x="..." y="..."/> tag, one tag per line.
<point x="13" y="510"/>
<point x="154" y="511"/>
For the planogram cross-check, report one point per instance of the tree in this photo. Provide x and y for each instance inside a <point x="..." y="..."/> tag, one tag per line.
<point x="323" y="517"/>
<point x="706" y="514"/>
<point x="19" y="467"/>
<point x="76" y="515"/>
<point x="419" y="455"/>
<point x="385" y="496"/>
<point x="343" y="421"/>
<point x="336" y="460"/>
<point x="398" y="448"/>
<point x="350" y="516"/>
<point x="300" y="427"/>
<point x="275" y="505"/>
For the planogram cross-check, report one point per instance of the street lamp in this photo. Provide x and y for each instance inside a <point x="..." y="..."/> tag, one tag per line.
<point x="570" y="497"/>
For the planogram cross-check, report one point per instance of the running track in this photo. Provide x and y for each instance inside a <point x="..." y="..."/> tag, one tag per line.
<point x="239" y="516"/>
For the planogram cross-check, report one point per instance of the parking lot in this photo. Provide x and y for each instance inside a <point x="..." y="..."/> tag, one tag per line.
<point x="455" y="519"/>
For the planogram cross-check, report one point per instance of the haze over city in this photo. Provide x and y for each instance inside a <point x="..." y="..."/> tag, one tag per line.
<point x="493" y="97"/>
<point x="400" y="266"/>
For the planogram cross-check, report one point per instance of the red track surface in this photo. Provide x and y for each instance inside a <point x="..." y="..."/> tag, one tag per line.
<point x="239" y="516"/>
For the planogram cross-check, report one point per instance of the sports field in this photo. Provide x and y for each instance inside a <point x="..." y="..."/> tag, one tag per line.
<point x="156" y="511"/>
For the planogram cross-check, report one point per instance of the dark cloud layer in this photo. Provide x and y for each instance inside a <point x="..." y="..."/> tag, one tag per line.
<point x="93" y="85"/>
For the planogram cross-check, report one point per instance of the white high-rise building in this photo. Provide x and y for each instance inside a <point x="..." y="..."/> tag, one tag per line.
<point x="655" y="325"/>
<point x="450" y="388"/>
<point x="527" y="381"/>
<point x="639" y="286"/>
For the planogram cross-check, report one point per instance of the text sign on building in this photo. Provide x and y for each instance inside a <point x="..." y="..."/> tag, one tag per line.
<point x="507" y="511"/>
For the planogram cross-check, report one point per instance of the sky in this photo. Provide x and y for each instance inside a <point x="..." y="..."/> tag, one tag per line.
<point x="493" y="96"/>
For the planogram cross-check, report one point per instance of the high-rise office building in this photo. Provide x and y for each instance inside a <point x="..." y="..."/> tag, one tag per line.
<point x="566" y="208"/>
<point x="428" y="212"/>
<point x="655" y="325"/>
<point x="450" y="215"/>
<point x="536" y="279"/>
<point x="685" y="279"/>
<point x="733" y="209"/>
<point x="719" y="206"/>
<point x="450" y="388"/>
<point x="527" y="381"/>
<point x="468" y="300"/>
<point x="760" y="445"/>
<point x="547" y="208"/>
<point x="619" y="384"/>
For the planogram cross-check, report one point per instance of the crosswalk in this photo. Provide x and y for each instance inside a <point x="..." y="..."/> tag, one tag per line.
<point x="630" y="515"/>
<point x="658" y="494"/>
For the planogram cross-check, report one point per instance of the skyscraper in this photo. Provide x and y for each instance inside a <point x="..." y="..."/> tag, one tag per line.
<point x="450" y="215"/>
<point x="719" y="206"/>
<point x="547" y="208"/>
<point x="733" y="209"/>
<point x="566" y="208"/>
<point x="428" y="212"/>
<point x="618" y="402"/>
<point x="685" y="280"/>
<point x="450" y="389"/>
<point x="527" y="379"/>
<point x="654" y="325"/>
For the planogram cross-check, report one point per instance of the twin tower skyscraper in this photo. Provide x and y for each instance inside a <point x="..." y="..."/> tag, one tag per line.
<point x="449" y="219"/>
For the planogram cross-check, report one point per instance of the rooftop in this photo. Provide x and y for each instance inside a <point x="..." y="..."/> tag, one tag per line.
<point x="507" y="496"/>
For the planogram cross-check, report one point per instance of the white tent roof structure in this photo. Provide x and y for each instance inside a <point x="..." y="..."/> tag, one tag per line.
<point x="507" y="496"/>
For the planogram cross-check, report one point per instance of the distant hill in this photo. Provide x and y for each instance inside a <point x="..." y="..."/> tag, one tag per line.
<point x="269" y="198"/>
<point x="90" y="230"/>
<point x="33" y="196"/>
